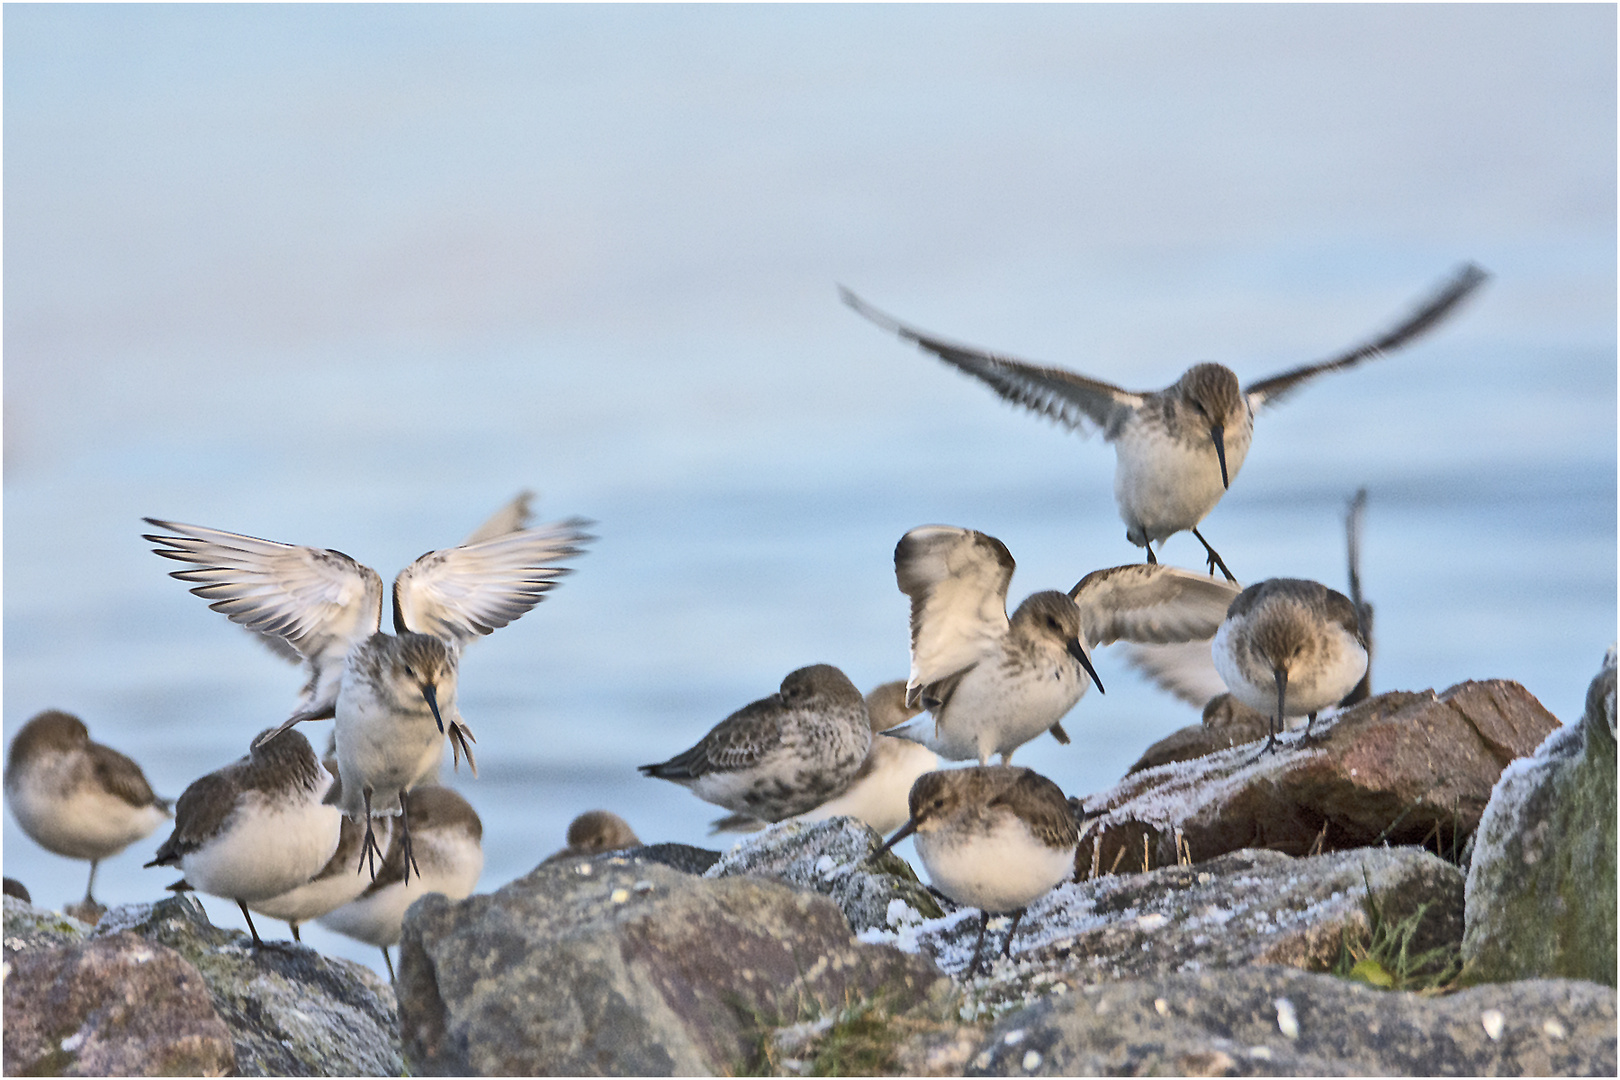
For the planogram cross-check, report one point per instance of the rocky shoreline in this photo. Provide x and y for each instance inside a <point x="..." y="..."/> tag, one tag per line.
<point x="1395" y="899"/>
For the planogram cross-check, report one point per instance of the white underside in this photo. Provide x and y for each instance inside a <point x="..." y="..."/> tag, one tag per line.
<point x="880" y="797"/>
<point x="1163" y="486"/>
<point x="387" y="752"/>
<point x="1312" y="687"/>
<point x="1003" y="869"/>
<point x="342" y="880"/>
<point x="265" y="850"/>
<point x="68" y="815"/>
<point x="990" y="715"/>
<point x="449" y="865"/>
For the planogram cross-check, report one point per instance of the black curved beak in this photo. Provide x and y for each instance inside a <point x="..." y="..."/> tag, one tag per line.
<point x="1078" y="651"/>
<point x="1217" y="432"/>
<point x="433" y="703"/>
<point x="1281" y="676"/>
<point x="904" y="831"/>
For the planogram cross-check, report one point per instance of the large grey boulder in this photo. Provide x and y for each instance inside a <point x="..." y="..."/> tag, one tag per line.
<point x="1274" y="1021"/>
<point x="116" y="1006"/>
<point x="834" y="857"/>
<point x="1400" y="768"/>
<point x="616" y="965"/>
<point x="1246" y="908"/>
<point x="1541" y="886"/>
<point x="157" y="987"/>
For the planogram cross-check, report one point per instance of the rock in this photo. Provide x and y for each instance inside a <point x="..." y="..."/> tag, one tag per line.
<point x="289" y="1010"/>
<point x="1541" y="886"/>
<point x="1245" y="908"/>
<point x="1271" y="1021"/>
<point x="28" y="927"/>
<point x="115" y="1006"/>
<point x="1400" y="768"/>
<point x="834" y="857"/>
<point x="1226" y="723"/>
<point x="682" y="857"/>
<point x="624" y="966"/>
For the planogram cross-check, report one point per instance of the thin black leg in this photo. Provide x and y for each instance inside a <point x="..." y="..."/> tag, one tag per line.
<point x="295" y="932"/>
<point x="978" y="946"/>
<point x="1006" y="947"/>
<point x="369" y="851"/>
<point x="405" y="841"/>
<point x="90" y="886"/>
<point x="251" y="928"/>
<point x="389" y="961"/>
<point x="1214" y="559"/>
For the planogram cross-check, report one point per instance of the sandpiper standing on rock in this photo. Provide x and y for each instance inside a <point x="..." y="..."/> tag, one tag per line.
<point x="783" y="754"/>
<point x="1289" y="648"/>
<point x="1179" y="448"/>
<point x="256" y="828"/>
<point x="994" y="683"/>
<point x="994" y="837"/>
<point x="77" y="798"/>
<point x="393" y="695"/>
<point x="450" y="857"/>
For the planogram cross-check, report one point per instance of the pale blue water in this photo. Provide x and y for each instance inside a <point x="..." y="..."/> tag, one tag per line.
<point x="353" y="276"/>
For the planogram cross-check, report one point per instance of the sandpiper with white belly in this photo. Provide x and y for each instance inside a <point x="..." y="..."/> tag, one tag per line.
<point x="994" y="837"/>
<point x="77" y="798"/>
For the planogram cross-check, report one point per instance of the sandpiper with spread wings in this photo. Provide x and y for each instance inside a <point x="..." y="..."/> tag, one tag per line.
<point x="1177" y="449"/>
<point x="992" y="683"/>
<point x="393" y="695"/>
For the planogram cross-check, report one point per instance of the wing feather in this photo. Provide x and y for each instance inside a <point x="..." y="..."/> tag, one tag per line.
<point x="957" y="580"/>
<point x="1148" y="602"/>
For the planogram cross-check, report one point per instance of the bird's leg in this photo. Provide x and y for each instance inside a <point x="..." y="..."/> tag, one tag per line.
<point x="390" y="962"/>
<point x="1306" y="738"/>
<point x="1274" y="726"/>
<point x="978" y="946"/>
<point x="1006" y="947"/>
<point x="295" y="932"/>
<point x="90" y="886"/>
<point x="1214" y="559"/>
<point x="368" y="848"/>
<point x="405" y="841"/>
<point x="251" y="928"/>
<point x="1148" y="547"/>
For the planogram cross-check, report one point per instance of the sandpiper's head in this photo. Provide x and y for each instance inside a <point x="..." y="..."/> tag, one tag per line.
<point x="886" y="705"/>
<point x="287" y="758"/>
<point x="820" y="683"/>
<point x="427" y="666"/>
<point x="600" y="830"/>
<point x="50" y="731"/>
<point x="1054" y="617"/>
<point x="1213" y="395"/>
<point x="442" y="809"/>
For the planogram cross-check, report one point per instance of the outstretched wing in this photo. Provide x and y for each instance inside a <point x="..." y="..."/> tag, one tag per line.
<point x="462" y="593"/>
<point x="318" y="601"/>
<point x="1151" y="602"/>
<point x="1185" y="669"/>
<point x="1428" y="315"/>
<point x="957" y="580"/>
<point x="1073" y="400"/>
<point x="515" y="516"/>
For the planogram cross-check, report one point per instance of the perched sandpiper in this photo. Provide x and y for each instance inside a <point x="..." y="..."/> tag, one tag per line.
<point x="77" y="798"/>
<point x="1290" y="648"/>
<point x="783" y="754"/>
<point x="594" y="832"/>
<point x="994" y="837"/>
<point x="1178" y="449"/>
<point x="256" y="828"/>
<point x="878" y="793"/>
<point x="448" y="842"/>
<point x="337" y="883"/>
<point x="993" y="683"/>
<point x="393" y="695"/>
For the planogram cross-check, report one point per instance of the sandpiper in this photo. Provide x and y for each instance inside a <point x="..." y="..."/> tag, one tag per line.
<point x="393" y="695"/>
<point x="1178" y="449"/>
<point x="993" y="837"/>
<point x="336" y="884"/>
<point x="75" y="797"/>
<point x="448" y="844"/>
<point x="994" y="683"/>
<point x="256" y="828"/>
<point x="1289" y="648"/>
<point x="783" y="754"/>
<point x="877" y="794"/>
<point x="594" y="832"/>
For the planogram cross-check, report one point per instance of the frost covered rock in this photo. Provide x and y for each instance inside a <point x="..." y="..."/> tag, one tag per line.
<point x="1541" y="888"/>
<point x="116" y="1006"/>
<point x="834" y="857"/>
<point x="1226" y="723"/>
<point x="1270" y="1021"/>
<point x="1249" y="907"/>
<point x="1399" y="768"/>
<point x="29" y="927"/>
<point x="615" y="965"/>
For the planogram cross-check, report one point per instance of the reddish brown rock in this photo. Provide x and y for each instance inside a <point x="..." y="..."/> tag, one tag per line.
<point x="116" y="1006"/>
<point x="1401" y="768"/>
